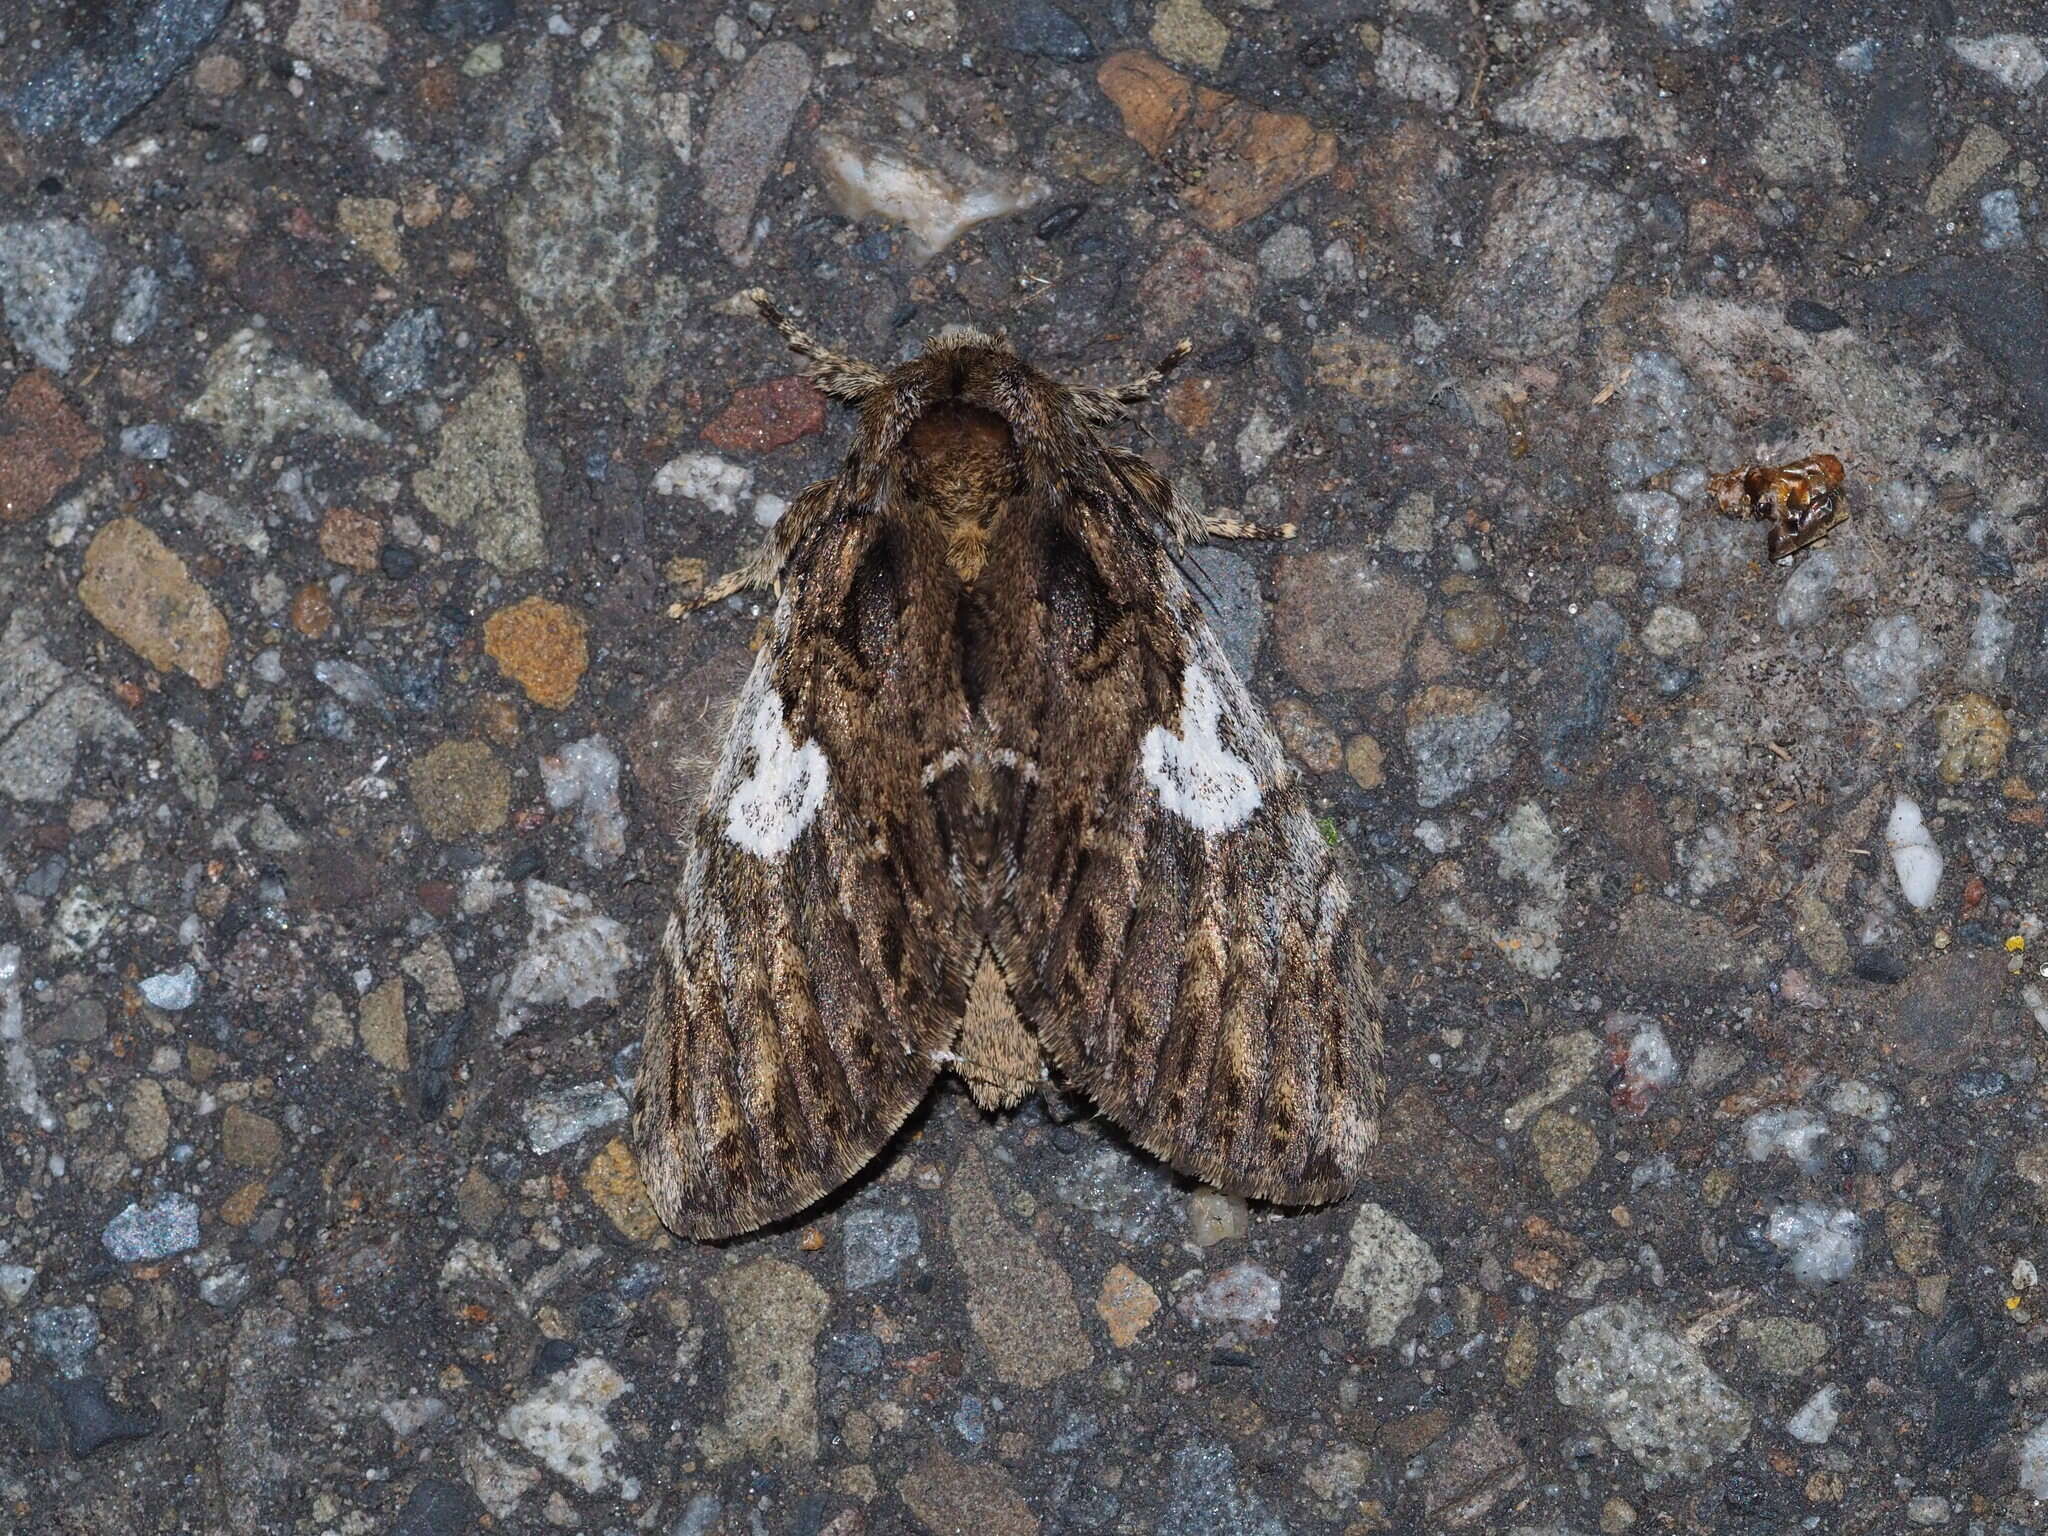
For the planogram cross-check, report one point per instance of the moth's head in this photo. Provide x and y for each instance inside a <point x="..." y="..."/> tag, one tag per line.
<point x="968" y="393"/>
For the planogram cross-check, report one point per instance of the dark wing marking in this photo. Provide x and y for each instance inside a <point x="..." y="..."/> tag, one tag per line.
<point x="815" y="960"/>
<point x="1184" y="939"/>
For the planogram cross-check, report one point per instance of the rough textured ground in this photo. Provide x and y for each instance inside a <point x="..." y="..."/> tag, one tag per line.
<point x="373" y="389"/>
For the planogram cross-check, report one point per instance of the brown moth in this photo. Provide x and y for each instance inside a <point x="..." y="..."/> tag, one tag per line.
<point x="993" y="795"/>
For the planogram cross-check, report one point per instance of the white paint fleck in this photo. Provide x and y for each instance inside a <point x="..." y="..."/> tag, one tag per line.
<point x="1198" y="778"/>
<point x="574" y="955"/>
<point x="1814" y="1423"/>
<point x="706" y="479"/>
<point x="20" y="1060"/>
<point x="2033" y="1461"/>
<point x="773" y="805"/>
<point x="563" y="1424"/>
<point x="2013" y="59"/>
<point x="1820" y="1244"/>
<point x="1915" y="859"/>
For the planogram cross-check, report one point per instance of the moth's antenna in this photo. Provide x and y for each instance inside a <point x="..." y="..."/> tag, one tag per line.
<point x="837" y="376"/>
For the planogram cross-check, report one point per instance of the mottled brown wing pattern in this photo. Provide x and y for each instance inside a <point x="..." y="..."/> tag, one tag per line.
<point x="811" y="973"/>
<point x="1185" y="939"/>
<point x="993" y="790"/>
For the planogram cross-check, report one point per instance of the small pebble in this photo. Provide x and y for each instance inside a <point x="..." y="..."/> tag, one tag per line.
<point x="166" y="1225"/>
<point x="1915" y="859"/>
<point x="171" y="990"/>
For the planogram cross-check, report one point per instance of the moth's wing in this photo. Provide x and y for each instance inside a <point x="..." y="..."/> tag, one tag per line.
<point x="1189" y="945"/>
<point x="811" y="968"/>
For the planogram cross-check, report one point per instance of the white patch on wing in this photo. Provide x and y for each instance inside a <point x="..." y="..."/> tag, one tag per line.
<point x="772" y="805"/>
<point x="1198" y="778"/>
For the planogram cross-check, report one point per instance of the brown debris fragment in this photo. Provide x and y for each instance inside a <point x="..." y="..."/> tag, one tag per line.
<point x="1233" y="161"/>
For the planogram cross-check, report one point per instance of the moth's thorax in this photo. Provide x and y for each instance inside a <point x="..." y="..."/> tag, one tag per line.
<point x="960" y="468"/>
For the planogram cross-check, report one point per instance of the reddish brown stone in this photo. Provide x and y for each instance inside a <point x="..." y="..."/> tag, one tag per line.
<point x="312" y="610"/>
<point x="1194" y="289"/>
<point x="43" y="446"/>
<point x="1190" y="403"/>
<point x="351" y="538"/>
<point x="765" y="416"/>
<point x="1232" y="161"/>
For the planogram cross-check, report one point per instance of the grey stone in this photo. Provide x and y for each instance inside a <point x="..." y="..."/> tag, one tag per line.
<point x="1289" y="253"/>
<point x="1203" y="1496"/>
<point x="482" y="477"/>
<point x="1814" y="1423"/>
<point x="401" y="361"/>
<point x="116" y="70"/>
<point x="93" y="1421"/>
<point x="135" y="314"/>
<point x="1456" y="739"/>
<point x="580" y="231"/>
<point x="156" y="1229"/>
<point x="556" y="1119"/>
<point x="749" y="122"/>
<point x="1385" y="1274"/>
<point x="876" y="1243"/>
<point x="1654" y="412"/>
<point x="1550" y="249"/>
<point x="1651" y="1390"/>
<point x="254" y="394"/>
<point x="1888" y="665"/>
<point x="47" y="714"/>
<point x="1578" y="92"/>
<point x="171" y="990"/>
<point x="1130" y="1200"/>
<point x="150" y="442"/>
<point x="1804" y="598"/>
<point x="65" y="1336"/>
<point x="1036" y="27"/>
<point x="47" y="269"/>
<point x="1659" y="522"/>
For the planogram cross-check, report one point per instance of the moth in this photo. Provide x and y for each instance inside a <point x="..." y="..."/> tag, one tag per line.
<point x="993" y="798"/>
<point x="1803" y="501"/>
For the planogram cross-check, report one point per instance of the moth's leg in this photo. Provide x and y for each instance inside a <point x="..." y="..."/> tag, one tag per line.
<point x="1106" y="407"/>
<point x="1238" y="528"/>
<point x="837" y="376"/>
<point x="756" y="575"/>
<point x="1139" y="390"/>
